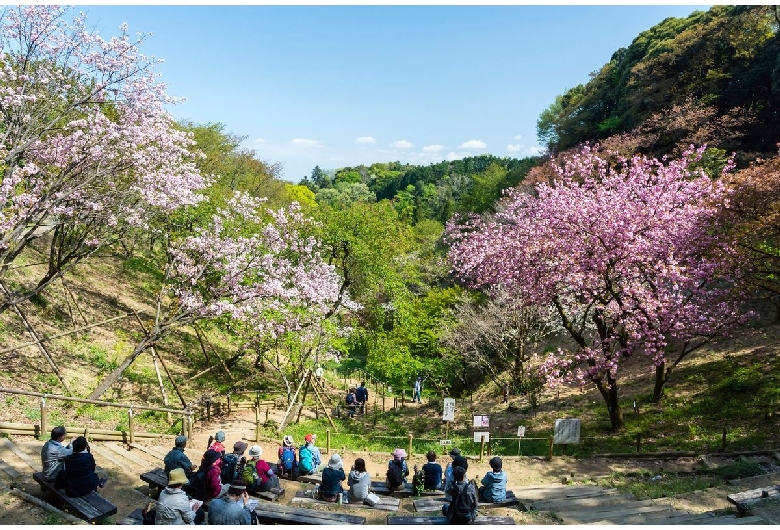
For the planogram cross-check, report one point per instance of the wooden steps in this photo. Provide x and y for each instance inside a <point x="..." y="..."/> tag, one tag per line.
<point x="389" y="504"/>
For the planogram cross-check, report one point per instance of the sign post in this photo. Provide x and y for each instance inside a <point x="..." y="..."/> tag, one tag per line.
<point x="520" y="434"/>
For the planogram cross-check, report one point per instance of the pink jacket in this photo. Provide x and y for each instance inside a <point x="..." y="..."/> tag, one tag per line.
<point x="213" y="483"/>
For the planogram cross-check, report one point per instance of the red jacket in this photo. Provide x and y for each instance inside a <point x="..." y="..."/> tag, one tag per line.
<point x="213" y="483"/>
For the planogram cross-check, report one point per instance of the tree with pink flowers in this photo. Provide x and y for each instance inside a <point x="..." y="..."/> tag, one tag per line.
<point x="87" y="149"/>
<point x="257" y="268"/>
<point x="629" y="253"/>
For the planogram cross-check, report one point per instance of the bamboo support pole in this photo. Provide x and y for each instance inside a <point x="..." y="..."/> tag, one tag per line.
<point x="43" y="417"/>
<point x="257" y="424"/>
<point x="409" y="452"/>
<point x="130" y="426"/>
<point x="46" y="506"/>
<point x="327" y="441"/>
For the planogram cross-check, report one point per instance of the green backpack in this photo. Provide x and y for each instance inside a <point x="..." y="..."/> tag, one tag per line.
<point x="250" y="475"/>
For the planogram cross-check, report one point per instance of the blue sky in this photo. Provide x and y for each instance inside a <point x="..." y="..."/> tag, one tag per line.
<point x="338" y="86"/>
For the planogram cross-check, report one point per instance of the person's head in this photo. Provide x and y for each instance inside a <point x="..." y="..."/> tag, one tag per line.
<point x="431" y="455"/>
<point x="362" y="383"/>
<point x="255" y="452"/>
<point x="58" y="433"/>
<point x="177" y="478"/>
<point x="454" y="453"/>
<point x="399" y="454"/>
<point x="419" y="378"/>
<point x="335" y="462"/>
<point x="220" y="436"/>
<point x="310" y="438"/>
<point x="237" y="488"/>
<point x="209" y="458"/>
<point x="360" y="465"/>
<point x="352" y="389"/>
<point x="239" y="447"/>
<point x="458" y="473"/>
<point x="181" y="441"/>
<point x="79" y="444"/>
<point x="287" y="441"/>
<point x="495" y="463"/>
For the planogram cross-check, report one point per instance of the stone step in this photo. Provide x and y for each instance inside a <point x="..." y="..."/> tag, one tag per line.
<point x="549" y="505"/>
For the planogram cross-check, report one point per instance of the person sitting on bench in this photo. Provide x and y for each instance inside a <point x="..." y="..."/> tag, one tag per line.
<point x="233" y="507"/>
<point x="258" y="475"/>
<point x="53" y="453"/>
<point x="331" y="487"/>
<point x="173" y="506"/>
<point x="433" y="472"/>
<point x="493" y="487"/>
<point x="176" y="458"/>
<point x="80" y="476"/>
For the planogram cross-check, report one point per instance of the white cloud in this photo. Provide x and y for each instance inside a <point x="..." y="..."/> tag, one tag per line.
<point x="513" y="148"/>
<point x="260" y="140"/>
<point x="473" y="144"/>
<point x="365" y="140"/>
<point x="452" y="155"/>
<point x="433" y="148"/>
<point x="518" y="137"/>
<point x="403" y="144"/>
<point x="534" y="151"/>
<point x="306" y="143"/>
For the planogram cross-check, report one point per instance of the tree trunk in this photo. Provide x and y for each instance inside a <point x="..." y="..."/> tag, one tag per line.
<point x="658" y="388"/>
<point x="116" y="374"/>
<point x="610" y="394"/>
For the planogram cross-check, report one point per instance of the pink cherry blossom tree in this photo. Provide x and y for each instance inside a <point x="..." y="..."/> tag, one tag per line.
<point x="87" y="149"/>
<point x="261" y="271"/>
<point x="629" y="253"/>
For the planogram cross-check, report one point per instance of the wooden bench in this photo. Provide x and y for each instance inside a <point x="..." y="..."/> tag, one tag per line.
<point x="157" y="479"/>
<point x="440" y="519"/>
<point x="435" y="504"/>
<point x="91" y="506"/>
<point x="269" y="513"/>
<point x="744" y="499"/>
<point x="380" y="488"/>
<point x="385" y="503"/>
<point x="308" y="479"/>
<point x="134" y="517"/>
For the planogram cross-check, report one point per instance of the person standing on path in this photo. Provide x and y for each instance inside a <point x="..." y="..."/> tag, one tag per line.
<point x="362" y="396"/>
<point x="417" y="390"/>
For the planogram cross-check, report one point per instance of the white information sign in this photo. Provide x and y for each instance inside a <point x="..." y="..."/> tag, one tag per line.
<point x="478" y="436"/>
<point x="445" y="442"/>
<point x="449" y="409"/>
<point x="521" y="431"/>
<point x="567" y="431"/>
<point x="481" y="421"/>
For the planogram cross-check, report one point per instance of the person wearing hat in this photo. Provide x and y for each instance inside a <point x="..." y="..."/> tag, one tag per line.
<point x="233" y="463"/>
<point x="332" y="476"/>
<point x="397" y="470"/>
<point x="458" y="460"/>
<point x="288" y="457"/>
<point x="417" y="390"/>
<point x="213" y="485"/>
<point x="176" y="458"/>
<point x="233" y="507"/>
<point x="493" y="487"/>
<point x="173" y="506"/>
<point x="309" y="457"/>
<point x="258" y="474"/>
<point x="219" y="443"/>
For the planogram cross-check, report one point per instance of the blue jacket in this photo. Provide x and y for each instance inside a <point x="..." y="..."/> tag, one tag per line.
<point x="495" y="486"/>
<point x="331" y="481"/>
<point x="225" y="510"/>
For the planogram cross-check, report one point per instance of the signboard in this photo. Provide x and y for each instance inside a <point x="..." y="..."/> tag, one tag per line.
<point x="449" y="409"/>
<point x="521" y="431"/>
<point x="481" y="421"/>
<point x="567" y="431"/>
<point x="478" y="436"/>
<point x="445" y="442"/>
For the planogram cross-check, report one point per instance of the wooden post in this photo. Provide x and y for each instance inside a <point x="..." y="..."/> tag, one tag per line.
<point x="190" y="421"/>
<point x="228" y="397"/>
<point x="267" y="410"/>
<point x="403" y="397"/>
<point x="43" y="418"/>
<point x="481" y="447"/>
<point x="490" y="448"/>
<point x="638" y="441"/>
<point x="86" y="432"/>
<point x="208" y="410"/>
<point x="257" y="423"/>
<point x="723" y="442"/>
<point x="383" y="403"/>
<point x="327" y="441"/>
<point x="550" y="453"/>
<point x="409" y="452"/>
<point x="395" y="403"/>
<point x="130" y="424"/>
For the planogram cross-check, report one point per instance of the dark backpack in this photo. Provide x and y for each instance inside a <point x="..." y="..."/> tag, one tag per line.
<point x="395" y="473"/>
<point x="463" y="508"/>
<point x="288" y="457"/>
<point x="305" y="459"/>
<point x="232" y="466"/>
<point x="350" y="399"/>
<point x="197" y="486"/>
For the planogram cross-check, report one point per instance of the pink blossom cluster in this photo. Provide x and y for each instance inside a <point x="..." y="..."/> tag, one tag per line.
<point x="628" y="252"/>
<point x="84" y="137"/>
<point x="270" y="276"/>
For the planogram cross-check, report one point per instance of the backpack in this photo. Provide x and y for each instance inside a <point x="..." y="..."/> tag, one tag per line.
<point x="232" y="466"/>
<point x="305" y="459"/>
<point x="288" y="457"/>
<point x="250" y="475"/>
<point x="463" y="508"/>
<point x="350" y="399"/>
<point x="395" y="473"/>
<point x="197" y="487"/>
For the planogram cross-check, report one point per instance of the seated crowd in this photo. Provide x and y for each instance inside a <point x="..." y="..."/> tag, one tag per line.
<point x="220" y="484"/>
